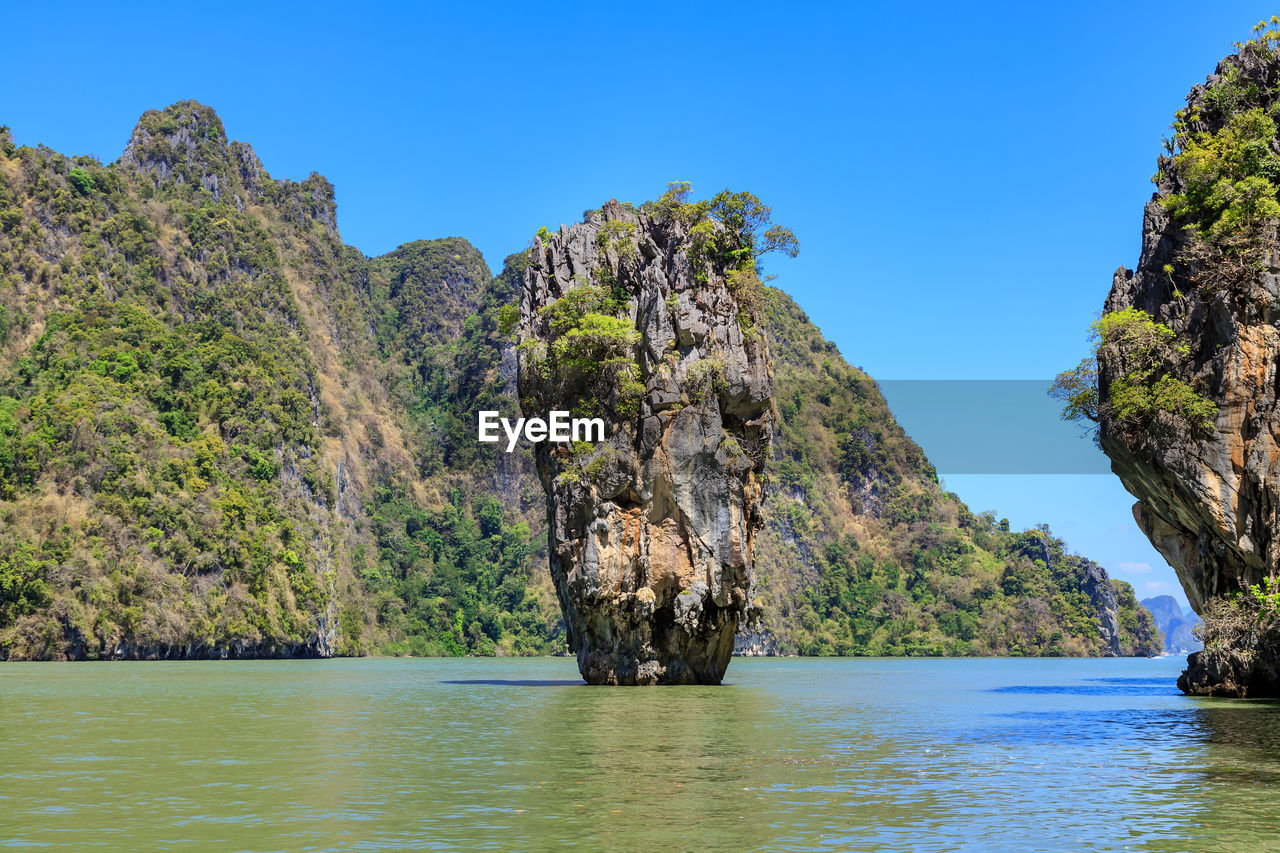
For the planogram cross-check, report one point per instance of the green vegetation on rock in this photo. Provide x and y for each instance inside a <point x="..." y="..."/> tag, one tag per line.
<point x="158" y="429"/>
<point x="1144" y="389"/>
<point x="732" y="231"/>
<point x="1221" y="180"/>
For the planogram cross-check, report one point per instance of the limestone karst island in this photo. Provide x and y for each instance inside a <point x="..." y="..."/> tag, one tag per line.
<point x="459" y="428"/>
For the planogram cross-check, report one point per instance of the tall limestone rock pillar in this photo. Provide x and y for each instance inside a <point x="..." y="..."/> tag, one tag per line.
<point x="644" y="320"/>
<point x="1202" y="309"/>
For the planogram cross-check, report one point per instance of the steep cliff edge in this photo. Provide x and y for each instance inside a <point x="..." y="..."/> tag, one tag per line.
<point x="1186" y="393"/>
<point x="644" y="319"/>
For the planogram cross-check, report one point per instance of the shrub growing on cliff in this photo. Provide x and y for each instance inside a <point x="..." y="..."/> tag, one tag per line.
<point x="576" y="303"/>
<point x="508" y="318"/>
<point x="675" y="204"/>
<point x="705" y="380"/>
<point x="1235" y="628"/>
<point x="1229" y="177"/>
<point x="730" y="232"/>
<point x="618" y="237"/>
<point x="81" y="180"/>
<point x="1143" y="388"/>
<point x="594" y="342"/>
<point x="744" y="215"/>
<point x="591" y="348"/>
<point x="1077" y="388"/>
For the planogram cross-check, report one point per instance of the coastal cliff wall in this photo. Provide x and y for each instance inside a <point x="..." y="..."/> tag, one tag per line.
<point x="1187" y="369"/>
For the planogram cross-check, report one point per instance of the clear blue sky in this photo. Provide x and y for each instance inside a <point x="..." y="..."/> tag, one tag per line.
<point x="963" y="179"/>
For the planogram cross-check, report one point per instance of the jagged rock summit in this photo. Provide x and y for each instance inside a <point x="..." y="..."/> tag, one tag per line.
<point x="636" y="317"/>
<point x="186" y="144"/>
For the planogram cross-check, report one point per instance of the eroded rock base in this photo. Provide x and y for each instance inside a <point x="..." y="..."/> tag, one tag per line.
<point x="660" y="652"/>
<point x="1232" y="673"/>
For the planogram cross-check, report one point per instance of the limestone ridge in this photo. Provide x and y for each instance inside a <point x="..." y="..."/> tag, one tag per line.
<point x="1208" y="499"/>
<point x="236" y="310"/>
<point x="187" y="144"/>
<point x="652" y="532"/>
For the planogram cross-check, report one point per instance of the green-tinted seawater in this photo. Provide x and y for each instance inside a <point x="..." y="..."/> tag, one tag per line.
<point x="792" y="755"/>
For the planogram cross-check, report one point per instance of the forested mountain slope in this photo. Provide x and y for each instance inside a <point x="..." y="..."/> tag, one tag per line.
<point x="869" y="555"/>
<point x="225" y="433"/>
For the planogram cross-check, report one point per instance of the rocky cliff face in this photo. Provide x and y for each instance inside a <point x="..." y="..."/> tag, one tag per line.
<point x="1208" y="497"/>
<point x="652" y="531"/>
<point x="1103" y="596"/>
<point x="1207" y="502"/>
<point x="200" y="330"/>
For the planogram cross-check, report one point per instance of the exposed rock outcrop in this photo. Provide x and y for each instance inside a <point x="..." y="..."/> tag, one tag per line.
<point x="1208" y="498"/>
<point x="320" y="644"/>
<point x="1097" y="585"/>
<point x="756" y="644"/>
<point x="651" y="532"/>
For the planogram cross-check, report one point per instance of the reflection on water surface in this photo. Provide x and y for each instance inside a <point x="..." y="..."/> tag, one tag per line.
<point x="790" y="755"/>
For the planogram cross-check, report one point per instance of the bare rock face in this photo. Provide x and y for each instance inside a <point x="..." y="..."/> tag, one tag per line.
<point x="651" y="531"/>
<point x="1102" y="594"/>
<point x="1208" y="499"/>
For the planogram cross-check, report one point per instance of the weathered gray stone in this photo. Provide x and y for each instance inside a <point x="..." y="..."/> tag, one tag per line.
<point x="651" y="533"/>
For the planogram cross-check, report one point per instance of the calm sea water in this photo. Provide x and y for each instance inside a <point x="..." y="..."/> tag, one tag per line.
<point x="794" y="755"/>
